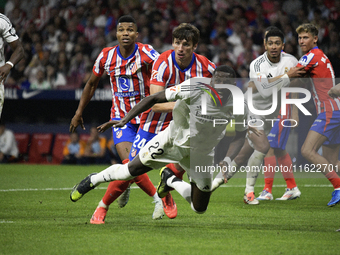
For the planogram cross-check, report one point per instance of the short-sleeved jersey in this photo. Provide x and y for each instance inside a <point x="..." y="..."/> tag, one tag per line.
<point x="7" y="33"/>
<point x="263" y="66"/>
<point x="167" y="73"/>
<point x="129" y="77"/>
<point x="321" y="71"/>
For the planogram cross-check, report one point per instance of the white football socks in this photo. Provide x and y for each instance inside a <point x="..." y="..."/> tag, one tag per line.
<point x="253" y="168"/>
<point x="101" y="204"/>
<point x="112" y="173"/>
<point x="156" y="197"/>
<point x="182" y="187"/>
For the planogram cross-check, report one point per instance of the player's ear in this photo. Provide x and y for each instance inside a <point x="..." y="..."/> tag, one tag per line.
<point x="195" y="46"/>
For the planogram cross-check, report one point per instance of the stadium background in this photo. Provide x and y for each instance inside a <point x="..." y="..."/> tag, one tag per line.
<point x="67" y="36"/>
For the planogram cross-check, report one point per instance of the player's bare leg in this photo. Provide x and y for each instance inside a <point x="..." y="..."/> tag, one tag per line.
<point x="199" y="199"/>
<point x="328" y="161"/>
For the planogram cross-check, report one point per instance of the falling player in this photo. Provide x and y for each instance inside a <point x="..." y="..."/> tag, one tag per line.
<point x="181" y="141"/>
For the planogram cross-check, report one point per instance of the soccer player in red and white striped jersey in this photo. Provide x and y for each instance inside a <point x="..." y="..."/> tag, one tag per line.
<point x="129" y="66"/>
<point x="171" y="68"/>
<point x="325" y="129"/>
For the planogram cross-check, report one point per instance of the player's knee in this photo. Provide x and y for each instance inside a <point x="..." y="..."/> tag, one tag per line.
<point x="306" y="152"/>
<point x="240" y="159"/>
<point x="198" y="208"/>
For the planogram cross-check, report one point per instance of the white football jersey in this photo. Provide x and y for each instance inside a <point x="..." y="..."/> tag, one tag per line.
<point x="262" y="66"/>
<point x="190" y="127"/>
<point x="7" y="33"/>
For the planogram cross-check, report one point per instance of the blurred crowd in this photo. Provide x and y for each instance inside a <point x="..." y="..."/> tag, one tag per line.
<point x="62" y="38"/>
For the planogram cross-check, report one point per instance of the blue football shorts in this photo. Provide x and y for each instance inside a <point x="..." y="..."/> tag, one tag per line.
<point x="328" y="124"/>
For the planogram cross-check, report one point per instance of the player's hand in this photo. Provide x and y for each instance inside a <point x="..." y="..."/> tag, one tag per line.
<point x="75" y="122"/>
<point x="334" y="91"/>
<point x="4" y="71"/>
<point x="224" y="169"/>
<point x="254" y="130"/>
<point x="112" y="123"/>
<point x="296" y="72"/>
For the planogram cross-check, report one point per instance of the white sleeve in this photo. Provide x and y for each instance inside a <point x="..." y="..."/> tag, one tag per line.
<point x="7" y="30"/>
<point x="265" y="88"/>
<point x="177" y="92"/>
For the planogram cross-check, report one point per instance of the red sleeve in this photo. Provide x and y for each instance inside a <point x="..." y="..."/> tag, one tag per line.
<point x="98" y="67"/>
<point x="160" y="72"/>
<point x="308" y="61"/>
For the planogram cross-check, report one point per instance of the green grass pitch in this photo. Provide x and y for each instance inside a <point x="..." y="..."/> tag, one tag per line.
<point x="37" y="217"/>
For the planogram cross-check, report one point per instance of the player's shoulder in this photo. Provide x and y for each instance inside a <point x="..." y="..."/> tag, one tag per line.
<point x="204" y="60"/>
<point x="145" y="47"/>
<point x="146" y="50"/>
<point x="107" y="49"/>
<point x="288" y="58"/>
<point x="5" y="20"/>
<point x="311" y="56"/>
<point x="164" y="57"/>
<point x="257" y="62"/>
<point x="286" y="55"/>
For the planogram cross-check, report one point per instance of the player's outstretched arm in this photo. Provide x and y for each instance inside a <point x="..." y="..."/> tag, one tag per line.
<point x="165" y="107"/>
<point x="88" y="92"/>
<point x="142" y="106"/>
<point x="265" y="86"/>
<point x="334" y="91"/>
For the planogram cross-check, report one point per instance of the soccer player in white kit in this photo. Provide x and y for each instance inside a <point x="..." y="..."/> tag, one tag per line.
<point x="189" y="140"/>
<point x="8" y="34"/>
<point x="272" y="63"/>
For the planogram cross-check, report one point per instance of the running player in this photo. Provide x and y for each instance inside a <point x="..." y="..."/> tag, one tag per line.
<point x="176" y="143"/>
<point x="171" y="68"/>
<point x="8" y="34"/>
<point x="129" y="66"/>
<point x="325" y="131"/>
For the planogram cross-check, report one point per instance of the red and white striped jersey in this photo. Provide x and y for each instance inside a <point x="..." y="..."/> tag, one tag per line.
<point x="320" y="69"/>
<point x="129" y="77"/>
<point x="167" y="73"/>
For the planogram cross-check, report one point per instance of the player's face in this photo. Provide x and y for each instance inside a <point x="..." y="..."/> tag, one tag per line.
<point x="126" y="33"/>
<point x="307" y="41"/>
<point x="183" y="52"/>
<point x="221" y="78"/>
<point x="274" y="46"/>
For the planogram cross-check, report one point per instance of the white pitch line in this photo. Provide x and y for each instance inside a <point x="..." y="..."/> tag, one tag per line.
<point x="6" y="221"/>
<point x="136" y="187"/>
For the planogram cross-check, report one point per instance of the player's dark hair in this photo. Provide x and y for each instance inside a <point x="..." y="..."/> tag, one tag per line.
<point x="275" y="32"/>
<point x="186" y="31"/>
<point x="126" y="18"/>
<point x="308" y="28"/>
<point x="226" y="69"/>
<point x="270" y="28"/>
